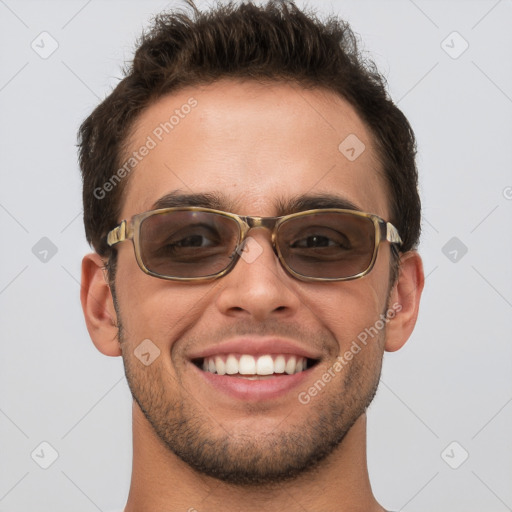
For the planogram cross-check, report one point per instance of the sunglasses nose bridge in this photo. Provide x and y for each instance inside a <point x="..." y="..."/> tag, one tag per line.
<point x="268" y="223"/>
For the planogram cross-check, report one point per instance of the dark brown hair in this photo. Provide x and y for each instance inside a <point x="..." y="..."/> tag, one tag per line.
<point x="276" y="42"/>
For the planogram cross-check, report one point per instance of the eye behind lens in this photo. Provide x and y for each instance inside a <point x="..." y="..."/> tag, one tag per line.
<point x="187" y="243"/>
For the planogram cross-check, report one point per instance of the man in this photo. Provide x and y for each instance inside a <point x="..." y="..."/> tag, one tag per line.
<point x="251" y="195"/>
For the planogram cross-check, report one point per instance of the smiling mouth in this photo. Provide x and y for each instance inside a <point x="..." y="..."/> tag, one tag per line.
<point x="247" y="366"/>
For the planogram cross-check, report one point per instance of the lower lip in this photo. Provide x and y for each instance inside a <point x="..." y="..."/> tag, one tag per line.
<point x="254" y="390"/>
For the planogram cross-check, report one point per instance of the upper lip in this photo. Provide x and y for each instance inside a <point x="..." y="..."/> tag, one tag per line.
<point x="256" y="346"/>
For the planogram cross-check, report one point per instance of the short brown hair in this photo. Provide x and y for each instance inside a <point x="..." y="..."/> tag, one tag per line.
<point x="274" y="42"/>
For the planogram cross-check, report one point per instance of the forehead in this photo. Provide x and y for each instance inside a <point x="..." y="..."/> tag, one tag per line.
<point x="255" y="146"/>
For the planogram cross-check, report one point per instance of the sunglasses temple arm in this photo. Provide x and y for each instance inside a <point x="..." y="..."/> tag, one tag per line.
<point x="117" y="235"/>
<point x="392" y="235"/>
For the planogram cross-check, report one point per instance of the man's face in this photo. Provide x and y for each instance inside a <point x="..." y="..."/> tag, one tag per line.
<point x="256" y="147"/>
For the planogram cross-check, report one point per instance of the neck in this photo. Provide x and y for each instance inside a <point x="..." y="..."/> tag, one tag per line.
<point x="162" y="481"/>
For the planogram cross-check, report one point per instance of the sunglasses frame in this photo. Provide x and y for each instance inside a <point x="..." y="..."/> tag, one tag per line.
<point x="130" y="230"/>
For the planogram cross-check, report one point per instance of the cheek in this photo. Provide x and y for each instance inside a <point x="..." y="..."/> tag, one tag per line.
<point x="347" y="309"/>
<point x="155" y="309"/>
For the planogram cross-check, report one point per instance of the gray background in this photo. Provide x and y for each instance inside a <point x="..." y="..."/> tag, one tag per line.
<point x="451" y="382"/>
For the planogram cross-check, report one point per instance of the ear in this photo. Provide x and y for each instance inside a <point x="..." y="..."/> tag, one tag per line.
<point x="405" y="300"/>
<point x="98" y="306"/>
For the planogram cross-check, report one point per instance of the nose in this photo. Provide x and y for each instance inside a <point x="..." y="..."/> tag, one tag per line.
<point x="258" y="287"/>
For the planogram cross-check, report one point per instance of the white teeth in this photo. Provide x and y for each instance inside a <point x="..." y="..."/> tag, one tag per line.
<point x="279" y="364"/>
<point x="290" y="365"/>
<point x="265" y="365"/>
<point x="220" y="366"/>
<point x="247" y="364"/>
<point x="231" y="365"/>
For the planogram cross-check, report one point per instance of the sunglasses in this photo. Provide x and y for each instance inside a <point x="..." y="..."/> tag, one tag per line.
<point x="193" y="243"/>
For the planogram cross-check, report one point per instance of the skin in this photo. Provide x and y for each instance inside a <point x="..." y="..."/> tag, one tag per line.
<point x="254" y="144"/>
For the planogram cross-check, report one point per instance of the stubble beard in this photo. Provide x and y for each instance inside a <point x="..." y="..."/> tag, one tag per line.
<point x="240" y="458"/>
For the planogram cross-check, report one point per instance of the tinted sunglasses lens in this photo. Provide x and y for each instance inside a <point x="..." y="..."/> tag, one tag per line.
<point x="188" y="243"/>
<point x="327" y="245"/>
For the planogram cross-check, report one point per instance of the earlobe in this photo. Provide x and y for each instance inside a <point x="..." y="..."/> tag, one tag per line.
<point x="405" y="297"/>
<point x="98" y="306"/>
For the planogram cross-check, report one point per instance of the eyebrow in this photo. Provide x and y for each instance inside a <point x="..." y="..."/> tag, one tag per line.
<point x="313" y="202"/>
<point x="284" y="206"/>
<point x="213" y="200"/>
